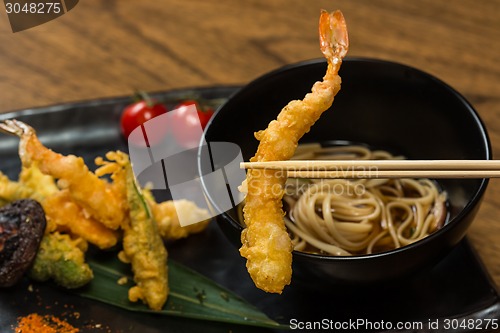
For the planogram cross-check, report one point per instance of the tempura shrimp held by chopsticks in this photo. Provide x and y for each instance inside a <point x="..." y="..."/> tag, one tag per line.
<point x="266" y="242"/>
<point x="89" y="191"/>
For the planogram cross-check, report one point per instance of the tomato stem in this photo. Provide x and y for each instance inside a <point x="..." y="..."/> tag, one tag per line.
<point x="141" y="95"/>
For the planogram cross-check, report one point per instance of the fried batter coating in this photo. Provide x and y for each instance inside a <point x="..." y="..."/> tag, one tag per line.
<point x="62" y="210"/>
<point x="89" y="191"/>
<point x="144" y="249"/>
<point x="42" y="185"/>
<point x="32" y="184"/>
<point x="165" y="215"/>
<point x="11" y="190"/>
<point x="114" y="166"/>
<point x="266" y="243"/>
<point x="62" y="259"/>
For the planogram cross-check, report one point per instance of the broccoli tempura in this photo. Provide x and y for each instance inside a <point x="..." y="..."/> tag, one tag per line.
<point x="62" y="259"/>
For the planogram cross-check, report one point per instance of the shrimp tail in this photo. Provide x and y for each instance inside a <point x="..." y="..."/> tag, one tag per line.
<point x="334" y="41"/>
<point x="20" y="129"/>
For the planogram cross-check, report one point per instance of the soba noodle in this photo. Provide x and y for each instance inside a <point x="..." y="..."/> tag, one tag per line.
<point x="359" y="216"/>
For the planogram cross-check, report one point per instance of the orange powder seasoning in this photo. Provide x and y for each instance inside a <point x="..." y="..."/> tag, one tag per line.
<point x="35" y="323"/>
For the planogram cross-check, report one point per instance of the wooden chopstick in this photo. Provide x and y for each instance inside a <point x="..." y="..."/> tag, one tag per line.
<point x="395" y="174"/>
<point x="358" y="169"/>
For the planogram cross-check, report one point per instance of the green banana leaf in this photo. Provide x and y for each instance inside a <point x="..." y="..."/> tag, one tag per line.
<point x="192" y="295"/>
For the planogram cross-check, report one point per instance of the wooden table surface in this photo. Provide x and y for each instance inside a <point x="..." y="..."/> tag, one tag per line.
<point x="109" y="48"/>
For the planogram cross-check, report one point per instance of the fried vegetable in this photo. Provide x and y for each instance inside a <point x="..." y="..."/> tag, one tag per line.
<point x="144" y="249"/>
<point x="62" y="259"/>
<point x="41" y="185"/>
<point x="166" y="217"/>
<point x="22" y="224"/>
<point x="11" y="190"/>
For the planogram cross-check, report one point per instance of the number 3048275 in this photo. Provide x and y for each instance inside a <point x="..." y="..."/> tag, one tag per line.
<point x="472" y="324"/>
<point x="33" y="8"/>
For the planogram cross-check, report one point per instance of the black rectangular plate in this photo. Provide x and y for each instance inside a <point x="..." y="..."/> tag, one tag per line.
<point x="458" y="287"/>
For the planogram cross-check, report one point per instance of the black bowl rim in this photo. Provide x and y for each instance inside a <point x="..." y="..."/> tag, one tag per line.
<point x="475" y="200"/>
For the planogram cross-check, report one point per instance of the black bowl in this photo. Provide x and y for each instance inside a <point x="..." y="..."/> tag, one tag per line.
<point x="385" y="105"/>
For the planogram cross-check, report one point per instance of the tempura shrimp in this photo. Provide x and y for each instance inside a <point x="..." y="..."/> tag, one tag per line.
<point x="92" y="193"/>
<point x="266" y="243"/>
<point x="62" y="211"/>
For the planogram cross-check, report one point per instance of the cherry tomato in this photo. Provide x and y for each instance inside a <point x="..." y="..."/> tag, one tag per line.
<point x="185" y="125"/>
<point x="204" y="114"/>
<point x="136" y="114"/>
